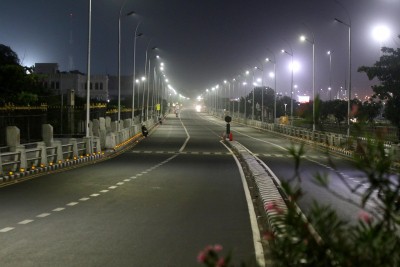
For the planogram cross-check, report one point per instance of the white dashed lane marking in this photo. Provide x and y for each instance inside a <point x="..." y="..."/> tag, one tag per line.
<point x="7" y="229"/>
<point x="25" y="221"/>
<point x="43" y="215"/>
<point x="71" y="204"/>
<point x="59" y="209"/>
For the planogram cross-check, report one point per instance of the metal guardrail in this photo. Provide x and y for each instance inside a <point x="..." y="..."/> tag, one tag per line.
<point x="346" y="145"/>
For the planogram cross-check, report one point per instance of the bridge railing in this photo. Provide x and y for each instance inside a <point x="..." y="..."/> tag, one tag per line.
<point x="347" y="145"/>
<point x="50" y="153"/>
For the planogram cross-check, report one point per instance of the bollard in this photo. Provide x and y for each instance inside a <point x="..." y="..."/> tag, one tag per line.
<point x="228" y="119"/>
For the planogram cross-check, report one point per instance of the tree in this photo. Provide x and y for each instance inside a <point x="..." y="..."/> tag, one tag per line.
<point x="369" y="110"/>
<point x="18" y="84"/>
<point x="8" y="56"/>
<point x="324" y="239"/>
<point x="387" y="71"/>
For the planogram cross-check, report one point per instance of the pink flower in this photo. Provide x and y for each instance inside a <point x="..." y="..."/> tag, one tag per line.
<point x="217" y="248"/>
<point x="273" y="206"/>
<point x="269" y="236"/>
<point x="201" y="257"/>
<point x="270" y="206"/>
<point x="221" y="263"/>
<point x="365" y="217"/>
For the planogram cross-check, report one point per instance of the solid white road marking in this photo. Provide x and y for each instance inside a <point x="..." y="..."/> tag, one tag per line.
<point x="259" y="251"/>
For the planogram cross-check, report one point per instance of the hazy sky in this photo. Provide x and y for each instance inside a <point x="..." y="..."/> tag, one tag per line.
<point x="203" y="42"/>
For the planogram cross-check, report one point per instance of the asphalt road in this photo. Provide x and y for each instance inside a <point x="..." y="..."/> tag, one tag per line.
<point x="273" y="150"/>
<point x="157" y="204"/>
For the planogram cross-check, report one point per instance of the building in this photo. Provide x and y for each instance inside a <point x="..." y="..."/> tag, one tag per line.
<point x="63" y="82"/>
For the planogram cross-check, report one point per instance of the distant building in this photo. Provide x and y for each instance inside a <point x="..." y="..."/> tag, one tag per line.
<point x="63" y="82"/>
<point x="126" y="87"/>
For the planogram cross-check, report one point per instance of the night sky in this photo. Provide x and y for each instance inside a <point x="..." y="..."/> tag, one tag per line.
<point x="203" y="42"/>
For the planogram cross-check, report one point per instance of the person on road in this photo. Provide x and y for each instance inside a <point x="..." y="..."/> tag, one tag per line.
<point x="145" y="132"/>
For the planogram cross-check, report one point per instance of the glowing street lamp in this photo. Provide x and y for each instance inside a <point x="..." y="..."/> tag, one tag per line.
<point x="381" y="33"/>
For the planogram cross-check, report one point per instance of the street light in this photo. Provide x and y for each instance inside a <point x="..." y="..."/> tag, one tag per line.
<point x="381" y="33"/>
<point x="303" y="38"/>
<point x="233" y="97"/>
<point x="148" y="87"/>
<point x="291" y="86"/>
<point x="145" y="75"/>
<point x="262" y="90"/>
<point x="349" y="94"/>
<point x="229" y="95"/>
<point x="88" y="70"/>
<point x="245" y="95"/>
<point x="274" y="75"/>
<point x="329" y="53"/>
<point x="119" y="60"/>
<point x="134" y="70"/>
<point x="144" y="89"/>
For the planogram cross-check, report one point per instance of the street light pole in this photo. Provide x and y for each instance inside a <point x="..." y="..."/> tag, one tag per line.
<point x="148" y="87"/>
<point x="119" y="60"/>
<point x="274" y="62"/>
<point x="291" y="86"/>
<point x="330" y="73"/>
<point x="88" y="70"/>
<point x="349" y="90"/>
<point x="303" y="38"/>
<point x="349" y="70"/>
<point x="145" y="75"/>
<point x="253" y="86"/>
<point x="134" y="70"/>
<point x="262" y="90"/>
